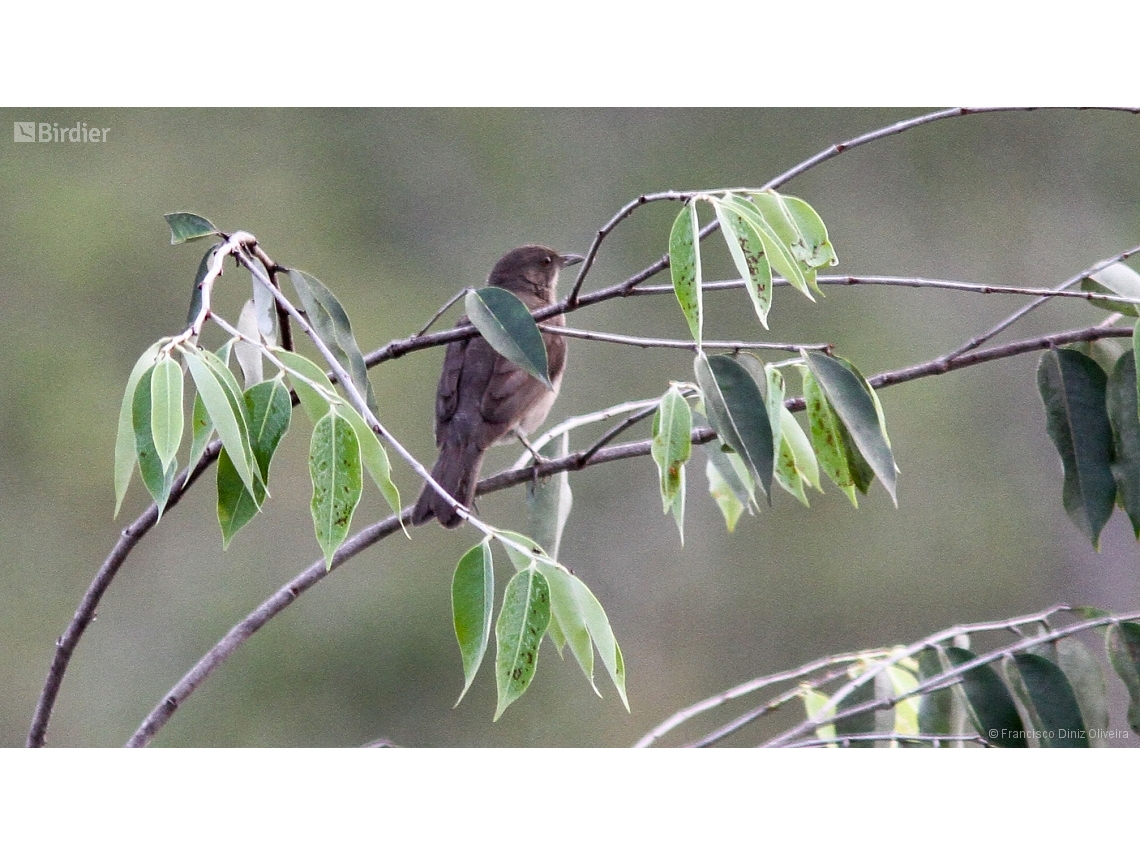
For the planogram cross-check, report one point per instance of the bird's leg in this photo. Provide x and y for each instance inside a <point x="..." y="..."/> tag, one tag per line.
<point x="535" y="456"/>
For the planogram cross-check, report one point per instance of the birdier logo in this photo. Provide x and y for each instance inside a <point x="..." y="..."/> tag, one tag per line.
<point x="53" y="132"/>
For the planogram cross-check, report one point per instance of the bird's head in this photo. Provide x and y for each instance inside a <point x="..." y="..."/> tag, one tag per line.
<point x="531" y="269"/>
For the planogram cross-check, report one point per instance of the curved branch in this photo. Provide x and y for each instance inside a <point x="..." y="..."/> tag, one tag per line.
<point x="509" y="478"/>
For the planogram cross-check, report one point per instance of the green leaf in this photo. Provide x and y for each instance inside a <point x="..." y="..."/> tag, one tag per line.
<point x="548" y="500"/>
<point x="863" y="722"/>
<point x="264" y="303"/>
<point x="1117" y="279"/>
<point x="726" y="498"/>
<point x="847" y="393"/>
<point x="940" y="712"/>
<point x="733" y="473"/>
<point x="472" y="599"/>
<point x="248" y="350"/>
<point x="334" y="466"/>
<point x="236" y="505"/>
<point x="903" y="681"/>
<point x="522" y="622"/>
<point x="777" y="249"/>
<point x="158" y="478"/>
<point x="375" y="458"/>
<point x="747" y="250"/>
<point x="308" y="381"/>
<point x="796" y="464"/>
<point x="1049" y="701"/>
<point x="738" y="413"/>
<point x="672" y="447"/>
<point x="805" y="233"/>
<point x="1122" y="641"/>
<point x="223" y="402"/>
<point x="185" y="226"/>
<point x="202" y="428"/>
<point x="166" y="409"/>
<point x="126" y="449"/>
<point x="817" y="706"/>
<point x="988" y="702"/>
<point x="507" y="325"/>
<point x="1072" y="387"/>
<point x="1087" y="679"/>
<point x="827" y="437"/>
<point x="582" y="619"/>
<point x="685" y="267"/>
<point x="1121" y="401"/>
<point x="330" y="322"/>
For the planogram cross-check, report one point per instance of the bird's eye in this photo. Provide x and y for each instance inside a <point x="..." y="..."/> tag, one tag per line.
<point x="547" y="260"/>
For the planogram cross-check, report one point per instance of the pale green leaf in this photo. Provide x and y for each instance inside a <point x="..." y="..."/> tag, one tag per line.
<point x="166" y="409"/>
<point x="185" y="226"/>
<point x="375" y="458"/>
<point x="314" y="389"/>
<point x="335" y="469"/>
<point x="747" y="250"/>
<point x="126" y="452"/>
<point x="549" y="500"/>
<point x="226" y="410"/>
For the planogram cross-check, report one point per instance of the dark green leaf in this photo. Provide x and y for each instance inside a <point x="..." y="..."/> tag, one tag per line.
<point x="988" y="701"/>
<point x="1050" y="701"/>
<point x="1122" y="641"/>
<point x="157" y="478"/>
<point x="685" y="267"/>
<point x="507" y="325"/>
<point x="472" y="599"/>
<point x="199" y="277"/>
<point x="863" y="722"/>
<point x="828" y="438"/>
<point x="330" y="322"/>
<point x="522" y="622"/>
<point x="185" y="226"/>
<point x="236" y="505"/>
<point x="848" y="396"/>
<point x="1121" y="400"/>
<point x="747" y="250"/>
<point x="548" y="500"/>
<point x="940" y="712"/>
<point x="1072" y="387"/>
<point x="1087" y="679"/>
<point x="334" y="466"/>
<point x="738" y="413"/>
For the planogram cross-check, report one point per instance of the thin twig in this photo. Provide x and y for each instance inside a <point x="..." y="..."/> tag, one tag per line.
<point x="679" y="344"/>
<point x="439" y="314"/>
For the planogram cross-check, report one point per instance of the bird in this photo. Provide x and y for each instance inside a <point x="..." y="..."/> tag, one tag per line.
<point x="483" y="398"/>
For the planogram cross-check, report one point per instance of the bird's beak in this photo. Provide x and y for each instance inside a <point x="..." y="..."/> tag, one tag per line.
<point x="571" y="258"/>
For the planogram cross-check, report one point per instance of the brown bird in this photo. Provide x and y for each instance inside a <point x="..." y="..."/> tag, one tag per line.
<point x="483" y="397"/>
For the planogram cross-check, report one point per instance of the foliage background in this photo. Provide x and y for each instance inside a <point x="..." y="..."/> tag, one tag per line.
<point x="396" y="210"/>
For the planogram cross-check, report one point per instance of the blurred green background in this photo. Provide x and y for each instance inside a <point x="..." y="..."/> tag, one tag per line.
<point x="396" y="210"/>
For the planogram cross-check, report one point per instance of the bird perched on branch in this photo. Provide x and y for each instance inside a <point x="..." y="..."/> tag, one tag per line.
<point x="483" y="397"/>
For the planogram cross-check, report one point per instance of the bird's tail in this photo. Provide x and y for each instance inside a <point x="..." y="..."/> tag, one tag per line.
<point x="457" y="471"/>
